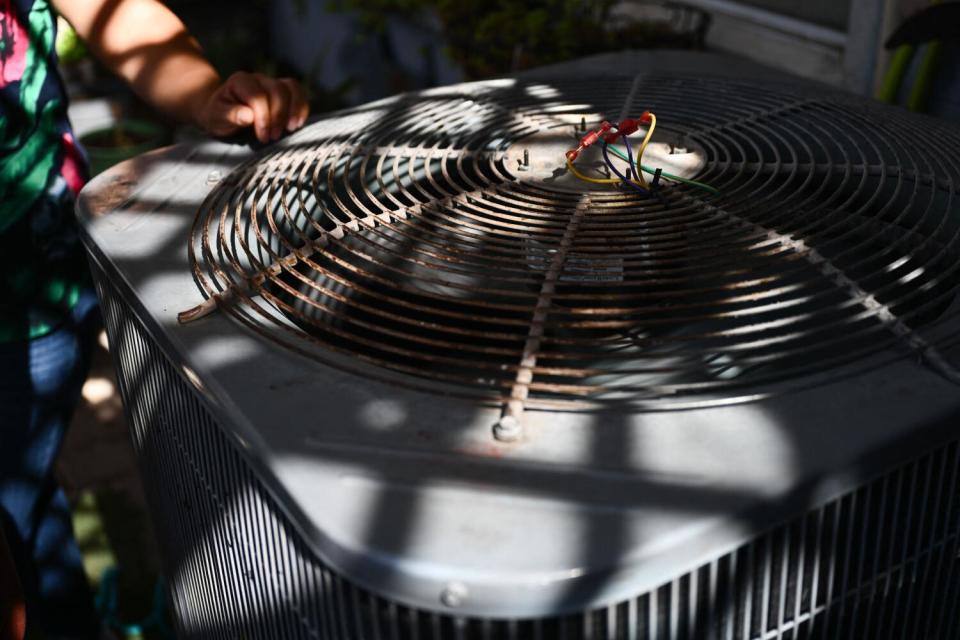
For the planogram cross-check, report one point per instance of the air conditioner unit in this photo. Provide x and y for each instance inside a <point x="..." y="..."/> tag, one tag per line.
<point x="400" y="376"/>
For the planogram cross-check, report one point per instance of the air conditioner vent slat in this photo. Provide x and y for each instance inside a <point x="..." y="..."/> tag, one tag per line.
<point x="880" y="558"/>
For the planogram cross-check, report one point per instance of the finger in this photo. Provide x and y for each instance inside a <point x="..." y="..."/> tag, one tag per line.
<point x="225" y="117"/>
<point x="239" y="115"/>
<point x="244" y="89"/>
<point x="279" y="98"/>
<point x="299" y="107"/>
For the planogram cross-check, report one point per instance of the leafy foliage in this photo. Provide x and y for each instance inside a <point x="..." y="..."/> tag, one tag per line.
<point x="492" y="37"/>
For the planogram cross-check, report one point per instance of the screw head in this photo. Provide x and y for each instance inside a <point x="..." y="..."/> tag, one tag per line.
<point x="214" y="176"/>
<point x="454" y="594"/>
<point x="507" y="429"/>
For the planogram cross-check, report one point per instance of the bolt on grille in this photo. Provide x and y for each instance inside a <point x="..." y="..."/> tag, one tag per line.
<point x="418" y="244"/>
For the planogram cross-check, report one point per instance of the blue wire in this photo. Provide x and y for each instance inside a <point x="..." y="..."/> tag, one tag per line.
<point x="623" y="178"/>
<point x="633" y="166"/>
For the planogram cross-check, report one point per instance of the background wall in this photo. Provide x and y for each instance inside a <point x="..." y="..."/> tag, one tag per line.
<point x="333" y="51"/>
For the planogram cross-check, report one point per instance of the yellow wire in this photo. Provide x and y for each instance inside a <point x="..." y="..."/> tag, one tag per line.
<point x="586" y="178"/>
<point x="643" y="146"/>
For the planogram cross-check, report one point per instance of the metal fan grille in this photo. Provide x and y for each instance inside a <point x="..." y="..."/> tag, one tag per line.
<point x="407" y="236"/>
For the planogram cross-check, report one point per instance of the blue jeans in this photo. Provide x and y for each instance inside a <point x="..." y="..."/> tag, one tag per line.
<point x="40" y="383"/>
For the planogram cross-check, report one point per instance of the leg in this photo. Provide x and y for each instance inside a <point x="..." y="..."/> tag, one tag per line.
<point x="40" y="383"/>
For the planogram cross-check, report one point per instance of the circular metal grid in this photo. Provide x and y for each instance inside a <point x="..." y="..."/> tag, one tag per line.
<point x="406" y="235"/>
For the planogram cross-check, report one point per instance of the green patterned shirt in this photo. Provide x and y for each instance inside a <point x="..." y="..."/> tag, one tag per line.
<point x="42" y="267"/>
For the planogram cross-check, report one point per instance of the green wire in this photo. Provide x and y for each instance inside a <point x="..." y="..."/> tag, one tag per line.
<point x="666" y="175"/>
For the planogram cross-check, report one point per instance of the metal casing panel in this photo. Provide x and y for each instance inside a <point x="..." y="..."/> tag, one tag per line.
<point x="406" y="493"/>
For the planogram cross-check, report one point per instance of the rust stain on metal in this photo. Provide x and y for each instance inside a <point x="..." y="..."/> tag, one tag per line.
<point x="107" y="198"/>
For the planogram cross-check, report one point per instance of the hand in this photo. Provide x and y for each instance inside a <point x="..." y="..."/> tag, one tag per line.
<point x="270" y="105"/>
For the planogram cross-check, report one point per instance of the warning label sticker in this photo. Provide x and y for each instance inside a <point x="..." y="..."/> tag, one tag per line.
<point x="579" y="267"/>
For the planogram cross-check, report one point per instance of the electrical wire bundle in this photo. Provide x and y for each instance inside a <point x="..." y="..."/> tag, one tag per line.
<point x="608" y="134"/>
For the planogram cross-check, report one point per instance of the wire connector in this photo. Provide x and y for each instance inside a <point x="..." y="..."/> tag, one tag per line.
<point x="628" y="127"/>
<point x="589" y="139"/>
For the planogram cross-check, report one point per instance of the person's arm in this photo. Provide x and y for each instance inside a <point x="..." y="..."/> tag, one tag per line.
<point x="148" y="46"/>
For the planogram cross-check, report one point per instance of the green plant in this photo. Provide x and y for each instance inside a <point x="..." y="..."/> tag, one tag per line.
<point x="70" y="48"/>
<point x="493" y="37"/>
